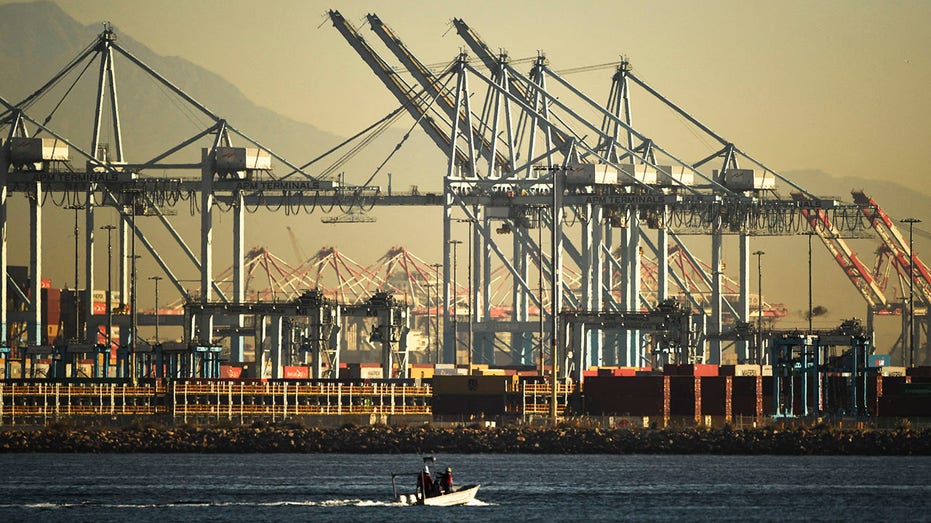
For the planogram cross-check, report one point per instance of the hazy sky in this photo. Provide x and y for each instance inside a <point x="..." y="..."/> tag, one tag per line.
<point x="841" y="86"/>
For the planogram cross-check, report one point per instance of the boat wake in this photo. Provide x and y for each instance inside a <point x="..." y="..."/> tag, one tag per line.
<point x="206" y="504"/>
<point x="349" y="502"/>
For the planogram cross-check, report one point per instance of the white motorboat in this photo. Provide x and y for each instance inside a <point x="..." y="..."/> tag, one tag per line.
<point x="458" y="496"/>
<point x="434" y="493"/>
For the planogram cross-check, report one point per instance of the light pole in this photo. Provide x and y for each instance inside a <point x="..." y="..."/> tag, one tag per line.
<point x="759" y="306"/>
<point x="471" y="223"/>
<point x="540" y="281"/>
<point x="132" y="311"/>
<point x="156" y="280"/>
<point x="436" y="272"/>
<point x="77" y="301"/>
<point x="454" y="243"/>
<point x="911" y="289"/>
<point x="109" y="229"/>
<point x="809" y="234"/>
<point x="429" y="319"/>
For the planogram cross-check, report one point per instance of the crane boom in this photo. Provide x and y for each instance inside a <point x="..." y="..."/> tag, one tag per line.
<point x="430" y="84"/>
<point x="900" y="249"/>
<point x="853" y="268"/>
<point x="398" y="87"/>
<point x="490" y="60"/>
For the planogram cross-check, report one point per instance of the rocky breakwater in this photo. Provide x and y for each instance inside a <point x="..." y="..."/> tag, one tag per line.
<point x="427" y="439"/>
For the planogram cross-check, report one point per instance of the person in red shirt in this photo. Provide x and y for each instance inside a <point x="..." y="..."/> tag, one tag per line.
<point x="446" y="481"/>
<point x="425" y="482"/>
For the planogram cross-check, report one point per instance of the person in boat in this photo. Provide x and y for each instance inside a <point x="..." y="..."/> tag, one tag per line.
<point x="446" y="481"/>
<point x="425" y="482"/>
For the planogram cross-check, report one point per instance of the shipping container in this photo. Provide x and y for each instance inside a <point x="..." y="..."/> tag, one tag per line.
<point x="696" y="369"/>
<point x="746" y="396"/>
<point x="593" y="174"/>
<point x="231" y="371"/>
<point x="905" y="406"/>
<point x="715" y="399"/>
<point x="920" y="372"/>
<point x="450" y="371"/>
<point x="767" y="393"/>
<point x="293" y="372"/>
<point x="747" y="179"/>
<point x="619" y="371"/>
<point x="419" y="371"/>
<point x="742" y="370"/>
<point x="471" y="384"/>
<point x="674" y="175"/>
<point x="684" y="395"/>
<point x="364" y="371"/>
<point x="232" y="159"/>
<point x="640" y="172"/>
<point x="625" y="396"/>
<point x="85" y="370"/>
<point x="34" y="150"/>
<point x="371" y="373"/>
<point x="15" y="368"/>
<point x="469" y="405"/>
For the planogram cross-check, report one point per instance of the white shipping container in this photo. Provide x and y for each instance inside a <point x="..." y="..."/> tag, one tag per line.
<point x="231" y="159"/>
<point x="747" y="179"/>
<point x="641" y="172"/>
<point x="41" y="369"/>
<point x="26" y="150"/>
<point x="371" y="373"/>
<point x="591" y="174"/>
<point x="14" y="370"/>
<point x="450" y="372"/>
<point x="889" y="371"/>
<point x="674" y="176"/>
<point x="747" y="370"/>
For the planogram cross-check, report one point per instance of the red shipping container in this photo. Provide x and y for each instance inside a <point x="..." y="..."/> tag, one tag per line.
<point x="704" y="370"/>
<point x="230" y="371"/>
<point x="45" y="283"/>
<point x="296" y="372"/>
<point x="696" y="369"/>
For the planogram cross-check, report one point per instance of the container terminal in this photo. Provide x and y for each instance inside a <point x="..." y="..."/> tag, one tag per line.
<point x="583" y="297"/>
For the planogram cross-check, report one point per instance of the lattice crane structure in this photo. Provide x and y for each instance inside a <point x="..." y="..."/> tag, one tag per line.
<point x="570" y="159"/>
<point x="535" y="154"/>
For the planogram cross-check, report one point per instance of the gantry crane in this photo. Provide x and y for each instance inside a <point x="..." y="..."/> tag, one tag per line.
<point x="420" y="107"/>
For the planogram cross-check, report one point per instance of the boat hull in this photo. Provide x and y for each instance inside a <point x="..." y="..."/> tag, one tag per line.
<point x="459" y="496"/>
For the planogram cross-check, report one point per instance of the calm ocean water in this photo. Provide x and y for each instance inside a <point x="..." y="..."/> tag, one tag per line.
<point x="299" y="487"/>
